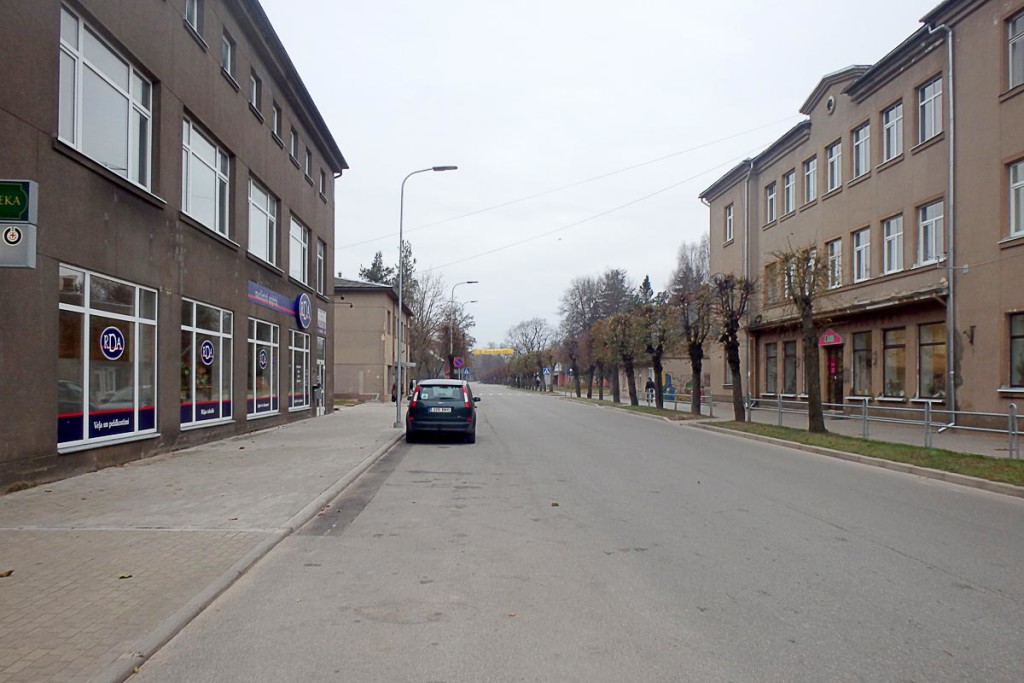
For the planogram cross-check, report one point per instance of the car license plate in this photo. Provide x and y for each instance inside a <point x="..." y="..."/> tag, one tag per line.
<point x="440" y="410"/>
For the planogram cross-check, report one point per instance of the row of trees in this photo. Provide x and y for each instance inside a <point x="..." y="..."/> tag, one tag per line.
<point x="609" y="324"/>
<point x="438" y="331"/>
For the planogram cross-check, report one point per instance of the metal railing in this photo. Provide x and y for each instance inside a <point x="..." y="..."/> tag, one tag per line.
<point x="928" y="419"/>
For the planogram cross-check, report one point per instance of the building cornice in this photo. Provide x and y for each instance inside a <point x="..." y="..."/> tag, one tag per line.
<point x="828" y="82"/>
<point x="891" y="66"/>
<point x="951" y="12"/>
<point x="900" y="299"/>
<point x="789" y="141"/>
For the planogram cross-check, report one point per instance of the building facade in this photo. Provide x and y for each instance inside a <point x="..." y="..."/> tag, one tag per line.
<point x="366" y="339"/>
<point x="184" y="181"/>
<point x="907" y="177"/>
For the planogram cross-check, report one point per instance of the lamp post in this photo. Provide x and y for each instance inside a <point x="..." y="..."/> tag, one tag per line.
<point x="451" y="322"/>
<point x="401" y="285"/>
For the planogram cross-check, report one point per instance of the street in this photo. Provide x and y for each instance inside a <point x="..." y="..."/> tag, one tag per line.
<point x="582" y="543"/>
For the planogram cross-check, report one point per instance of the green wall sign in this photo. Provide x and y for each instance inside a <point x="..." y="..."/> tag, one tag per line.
<point x="19" y="200"/>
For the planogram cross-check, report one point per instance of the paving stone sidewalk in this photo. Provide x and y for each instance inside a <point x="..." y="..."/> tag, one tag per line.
<point x="109" y="563"/>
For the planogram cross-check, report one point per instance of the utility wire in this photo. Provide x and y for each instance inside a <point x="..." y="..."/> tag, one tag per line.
<point x="571" y="185"/>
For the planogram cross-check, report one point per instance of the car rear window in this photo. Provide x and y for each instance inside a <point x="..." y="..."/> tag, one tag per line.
<point x="437" y="392"/>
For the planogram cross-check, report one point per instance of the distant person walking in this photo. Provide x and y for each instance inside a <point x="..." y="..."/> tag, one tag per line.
<point x="649" y="390"/>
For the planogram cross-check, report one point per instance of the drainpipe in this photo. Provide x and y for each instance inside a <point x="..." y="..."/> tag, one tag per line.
<point x="951" y="338"/>
<point x="746" y="253"/>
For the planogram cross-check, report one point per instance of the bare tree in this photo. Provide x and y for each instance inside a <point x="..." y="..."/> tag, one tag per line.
<point x="626" y="334"/>
<point x="580" y="308"/>
<point x="616" y="296"/>
<point x="691" y="297"/>
<point x="805" y="279"/>
<point x="428" y="313"/>
<point x="732" y="295"/>
<point x="530" y="338"/>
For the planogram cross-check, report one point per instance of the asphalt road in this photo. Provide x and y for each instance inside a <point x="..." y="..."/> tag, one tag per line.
<point x="578" y="543"/>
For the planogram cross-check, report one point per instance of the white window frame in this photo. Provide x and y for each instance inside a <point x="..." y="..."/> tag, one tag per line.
<point x="892" y="235"/>
<point x="209" y="415"/>
<point x="298" y="251"/>
<point x="929" y="110"/>
<point x="769" y="202"/>
<point x="298" y="352"/>
<point x="810" y="179"/>
<point x="834" y="252"/>
<point x="929" y="233"/>
<point x="308" y="168"/>
<point x="892" y="132"/>
<point x="194" y="15"/>
<point x="219" y="165"/>
<point x="74" y="117"/>
<point x="834" y="166"/>
<point x="275" y="122"/>
<point x="323" y="183"/>
<point x="1017" y="199"/>
<point x="861" y="150"/>
<point x="227" y="54"/>
<point x="321" y="266"/>
<point x="255" y="90"/>
<point x="861" y="241"/>
<point x="789" y="192"/>
<point x="729" y="212"/>
<point x="293" y="144"/>
<point x="1015" y="50"/>
<point x="272" y="348"/>
<point x="266" y="206"/>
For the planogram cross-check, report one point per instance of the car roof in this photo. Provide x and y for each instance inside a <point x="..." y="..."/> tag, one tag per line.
<point x="442" y="382"/>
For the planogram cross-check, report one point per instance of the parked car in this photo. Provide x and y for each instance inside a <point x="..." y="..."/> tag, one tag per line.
<point x="441" y="406"/>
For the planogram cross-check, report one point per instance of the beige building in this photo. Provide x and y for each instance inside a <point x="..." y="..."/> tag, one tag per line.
<point x="908" y="178"/>
<point x="366" y="340"/>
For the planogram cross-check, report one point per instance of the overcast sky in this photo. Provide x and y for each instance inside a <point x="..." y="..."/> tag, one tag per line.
<point x="544" y="97"/>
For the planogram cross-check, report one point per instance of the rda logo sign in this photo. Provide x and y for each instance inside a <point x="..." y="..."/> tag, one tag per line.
<point x="112" y="343"/>
<point x="263" y="359"/>
<point x="304" y="310"/>
<point x="206" y="352"/>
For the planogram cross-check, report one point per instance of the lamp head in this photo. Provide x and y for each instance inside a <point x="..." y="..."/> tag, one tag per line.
<point x="444" y="168"/>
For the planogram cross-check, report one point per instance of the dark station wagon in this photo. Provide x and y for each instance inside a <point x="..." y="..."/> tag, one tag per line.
<point x="441" y="406"/>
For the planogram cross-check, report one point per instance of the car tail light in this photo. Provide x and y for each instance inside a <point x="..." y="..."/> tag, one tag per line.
<point x="465" y="397"/>
<point x="415" y="395"/>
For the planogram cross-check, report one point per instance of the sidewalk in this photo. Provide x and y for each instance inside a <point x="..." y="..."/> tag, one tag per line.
<point x="113" y="563"/>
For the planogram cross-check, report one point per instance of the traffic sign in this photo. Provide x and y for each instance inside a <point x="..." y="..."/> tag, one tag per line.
<point x="458" y="361"/>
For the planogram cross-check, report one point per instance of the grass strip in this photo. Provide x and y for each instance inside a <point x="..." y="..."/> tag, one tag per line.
<point x="982" y="466"/>
<point x="678" y="416"/>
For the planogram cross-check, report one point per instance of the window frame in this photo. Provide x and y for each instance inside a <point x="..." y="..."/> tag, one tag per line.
<point x="1016" y="349"/>
<point x="298" y="250"/>
<point x="729" y="228"/>
<point x="1015" y="48"/>
<point x="892" y="132"/>
<point x="221" y="168"/>
<point x="321" y="266"/>
<point x="834" y="261"/>
<point x="255" y="91"/>
<point x="1016" y="197"/>
<point x="272" y="211"/>
<point x="308" y="165"/>
<point x="195" y="21"/>
<point x="892" y="245"/>
<point x="223" y="357"/>
<point x="834" y="166"/>
<point x="299" y="393"/>
<point x="810" y="179"/>
<point x="861" y="143"/>
<point x="789" y="368"/>
<point x="771" y="368"/>
<point x="256" y="345"/>
<point x="770" y="208"/>
<point x="275" y="119"/>
<point x="860" y="242"/>
<point x="789" y="192"/>
<point x="293" y="145"/>
<point x="861" y="366"/>
<point x="932" y="226"/>
<point x="894" y="362"/>
<point x="929" y="110"/>
<point x="931" y="346"/>
<point x="138" y="104"/>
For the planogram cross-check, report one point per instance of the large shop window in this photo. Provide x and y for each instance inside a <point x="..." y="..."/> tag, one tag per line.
<point x="204" y="179"/>
<point x="771" y="367"/>
<point x="931" y="347"/>
<point x="1017" y="350"/>
<point x="894" y="363"/>
<point x="106" y="366"/>
<point x="862" y="364"/>
<point x="206" y="362"/>
<point x="298" y="396"/>
<point x="789" y="367"/>
<point x="105" y="103"/>
<point x="263" y="398"/>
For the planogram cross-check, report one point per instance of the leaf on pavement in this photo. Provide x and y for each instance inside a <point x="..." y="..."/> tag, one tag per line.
<point x="7" y="572"/>
<point x="554" y="505"/>
<point x="232" y="519"/>
<point x="125" y="576"/>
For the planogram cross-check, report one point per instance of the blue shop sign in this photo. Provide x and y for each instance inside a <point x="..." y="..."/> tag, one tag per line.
<point x="112" y="343"/>
<point x="304" y="310"/>
<point x="206" y="352"/>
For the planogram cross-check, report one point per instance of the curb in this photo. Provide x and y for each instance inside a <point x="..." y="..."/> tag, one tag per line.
<point x="125" y="666"/>
<point x="927" y="472"/>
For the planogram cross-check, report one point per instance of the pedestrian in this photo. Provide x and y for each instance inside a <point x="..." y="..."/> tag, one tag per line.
<point x="649" y="390"/>
<point x="394" y="392"/>
<point x="536" y="383"/>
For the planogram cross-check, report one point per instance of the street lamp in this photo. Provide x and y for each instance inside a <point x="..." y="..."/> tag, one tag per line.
<point x="451" y="324"/>
<point x="399" y="390"/>
<point x="451" y="331"/>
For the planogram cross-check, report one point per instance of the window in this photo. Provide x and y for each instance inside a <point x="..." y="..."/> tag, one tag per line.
<point x="789" y="192"/>
<point x="1017" y="199"/>
<point x="293" y="145"/>
<point x="309" y="164"/>
<point x="862" y="255"/>
<point x="275" y="120"/>
<point x="894" y="363"/>
<point x="1016" y="53"/>
<point x="255" y="91"/>
<point x="262" y="387"/>
<point x="1017" y="350"/>
<point x="298" y="252"/>
<point x="298" y="397"/>
<point x="929" y="234"/>
<point x="105" y="103"/>
<point x="321" y="266"/>
<point x="834" y="166"/>
<point x="861" y="364"/>
<point x="227" y="54"/>
<point x="789" y="367"/>
<point x="810" y="180"/>
<point x="892" y="132"/>
<point x="323" y="183"/>
<point x="728" y="223"/>
<point x="194" y="15"/>
<point x="262" y="223"/>
<point x="206" y="363"/>
<point x="862" y="150"/>
<point x="834" y="254"/>
<point x="931" y="348"/>
<point x="771" y="367"/>
<point x="892" y="232"/>
<point x="769" y="203"/>
<point x="204" y="179"/>
<point x="929" y="110"/>
<point x="771" y="283"/>
<point x="106" y="359"/>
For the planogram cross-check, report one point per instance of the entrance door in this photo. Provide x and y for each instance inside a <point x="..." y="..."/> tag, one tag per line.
<point x="834" y="370"/>
<point x="321" y="376"/>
